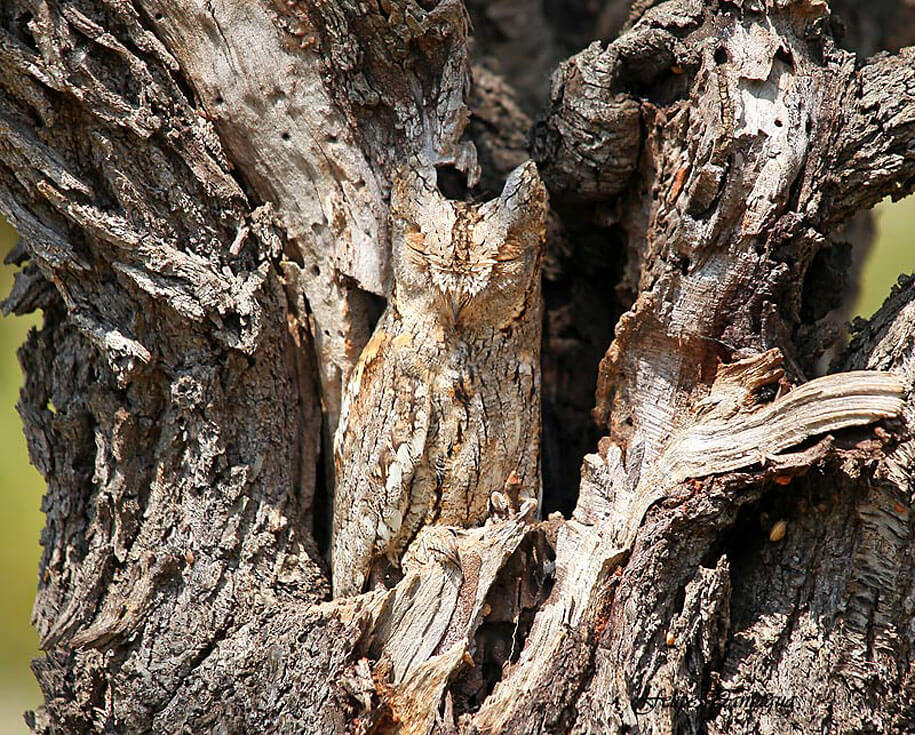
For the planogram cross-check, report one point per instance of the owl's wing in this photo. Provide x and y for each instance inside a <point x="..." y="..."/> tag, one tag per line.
<point x="380" y="441"/>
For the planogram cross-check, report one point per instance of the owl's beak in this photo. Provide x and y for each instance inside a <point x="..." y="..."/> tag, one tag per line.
<point x="456" y="305"/>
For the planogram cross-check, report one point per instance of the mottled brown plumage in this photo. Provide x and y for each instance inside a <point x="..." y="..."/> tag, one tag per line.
<point x="443" y="408"/>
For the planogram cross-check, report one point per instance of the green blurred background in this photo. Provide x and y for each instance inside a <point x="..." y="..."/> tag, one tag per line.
<point x="20" y="517"/>
<point x="20" y="521"/>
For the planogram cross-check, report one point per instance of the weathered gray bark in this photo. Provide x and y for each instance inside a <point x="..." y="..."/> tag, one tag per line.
<point x="201" y="191"/>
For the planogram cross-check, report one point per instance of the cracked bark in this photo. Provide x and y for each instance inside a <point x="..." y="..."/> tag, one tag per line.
<point x="201" y="194"/>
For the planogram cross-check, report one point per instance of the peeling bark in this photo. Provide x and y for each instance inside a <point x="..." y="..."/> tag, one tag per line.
<point x="202" y="195"/>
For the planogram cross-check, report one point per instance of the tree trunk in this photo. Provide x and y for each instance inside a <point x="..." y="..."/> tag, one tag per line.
<point x="202" y="192"/>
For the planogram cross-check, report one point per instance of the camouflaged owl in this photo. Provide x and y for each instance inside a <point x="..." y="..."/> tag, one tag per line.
<point x="441" y="415"/>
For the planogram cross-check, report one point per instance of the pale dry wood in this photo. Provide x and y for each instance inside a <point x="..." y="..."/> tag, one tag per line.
<point x="263" y="74"/>
<point x="424" y="628"/>
<point x="729" y="436"/>
<point x="721" y="443"/>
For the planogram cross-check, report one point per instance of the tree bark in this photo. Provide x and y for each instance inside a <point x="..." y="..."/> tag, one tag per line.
<point x="201" y="191"/>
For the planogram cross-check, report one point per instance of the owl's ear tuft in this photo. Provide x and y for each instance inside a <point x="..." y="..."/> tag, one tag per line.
<point x="524" y="198"/>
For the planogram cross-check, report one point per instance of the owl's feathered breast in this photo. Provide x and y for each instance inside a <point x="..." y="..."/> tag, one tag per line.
<point x="379" y="444"/>
<point x="429" y="430"/>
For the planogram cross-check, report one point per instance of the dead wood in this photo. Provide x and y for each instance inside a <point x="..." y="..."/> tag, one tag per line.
<point x="202" y="194"/>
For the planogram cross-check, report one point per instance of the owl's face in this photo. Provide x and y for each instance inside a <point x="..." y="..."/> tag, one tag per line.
<point x="469" y="265"/>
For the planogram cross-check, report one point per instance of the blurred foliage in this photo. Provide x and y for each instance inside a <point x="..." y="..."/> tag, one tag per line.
<point x="893" y="254"/>
<point x="20" y="517"/>
<point x="20" y="520"/>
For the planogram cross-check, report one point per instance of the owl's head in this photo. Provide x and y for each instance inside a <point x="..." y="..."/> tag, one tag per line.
<point x="467" y="264"/>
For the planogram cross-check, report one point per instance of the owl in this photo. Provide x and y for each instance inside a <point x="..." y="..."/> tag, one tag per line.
<point x="442" y="411"/>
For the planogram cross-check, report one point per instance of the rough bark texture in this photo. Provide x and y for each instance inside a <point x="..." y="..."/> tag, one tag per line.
<point x="202" y="194"/>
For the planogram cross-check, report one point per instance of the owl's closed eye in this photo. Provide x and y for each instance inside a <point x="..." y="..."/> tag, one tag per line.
<point x="450" y="256"/>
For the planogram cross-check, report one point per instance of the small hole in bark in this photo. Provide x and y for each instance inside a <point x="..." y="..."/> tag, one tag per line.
<point x="315" y="271"/>
<point x="25" y="35"/>
<point x="721" y="55"/>
<point x="740" y="542"/>
<point x="158" y="16"/>
<point x="285" y="136"/>
<point x="374" y="308"/>
<point x="784" y="55"/>
<point x="233" y="323"/>
<point x="218" y="101"/>
<point x="684" y="265"/>
<point x="765" y="393"/>
<point x="322" y="518"/>
<point x="778" y="123"/>
<point x="451" y="182"/>
<point x="679" y="599"/>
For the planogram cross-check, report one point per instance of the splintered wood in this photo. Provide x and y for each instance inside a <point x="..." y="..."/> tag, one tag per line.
<point x="730" y="432"/>
<point x="202" y="193"/>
